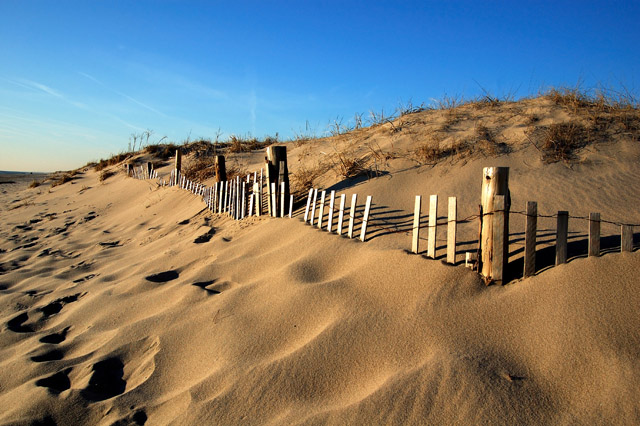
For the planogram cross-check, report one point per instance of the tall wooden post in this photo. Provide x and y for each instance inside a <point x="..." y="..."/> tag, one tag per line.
<point x="277" y="172"/>
<point x="495" y="181"/>
<point x="178" y="166"/>
<point x="221" y="169"/>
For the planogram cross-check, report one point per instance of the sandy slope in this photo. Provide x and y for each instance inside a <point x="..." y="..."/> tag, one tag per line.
<point x="126" y="302"/>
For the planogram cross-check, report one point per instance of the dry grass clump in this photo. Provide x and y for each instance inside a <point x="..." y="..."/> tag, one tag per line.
<point x="66" y="177"/>
<point x="105" y="174"/>
<point x="348" y="165"/>
<point x="118" y="158"/>
<point x="248" y="143"/>
<point x="561" y="141"/>
<point x="34" y="184"/>
<point x="162" y="151"/>
<point x="303" y="178"/>
<point x="199" y="169"/>
<point x="429" y="152"/>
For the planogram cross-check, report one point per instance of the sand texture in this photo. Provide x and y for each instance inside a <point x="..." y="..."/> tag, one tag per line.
<point x="124" y="302"/>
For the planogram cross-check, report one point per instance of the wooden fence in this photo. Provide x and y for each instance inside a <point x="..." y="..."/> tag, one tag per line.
<point x="244" y="197"/>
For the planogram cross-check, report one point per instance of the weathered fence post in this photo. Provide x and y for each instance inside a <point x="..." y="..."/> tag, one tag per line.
<point x="530" y="239"/>
<point x="500" y="248"/>
<point x="626" y="238"/>
<point x="221" y="168"/>
<point x="562" y="234"/>
<point x="594" y="234"/>
<point x="415" y="243"/>
<point x="452" y="229"/>
<point x="495" y="181"/>
<point x="433" y="226"/>
<point x="277" y="172"/>
<point x="178" y="164"/>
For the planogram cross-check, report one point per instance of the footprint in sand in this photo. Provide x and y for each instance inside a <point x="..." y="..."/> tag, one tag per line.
<point x="110" y="244"/>
<point x="55" y="338"/>
<point x="85" y="278"/>
<point x="137" y="418"/>
<point x="56" y="383"/>
<point x="54" y="355"/>
<point x="56" y="306"/>
<point x="17" y="324"/>
<point x="205" y="238"/>
<point x="106" y="380"/>
<point x="163" y="277"/>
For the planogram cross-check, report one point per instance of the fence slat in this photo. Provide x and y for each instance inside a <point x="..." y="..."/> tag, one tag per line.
<point x="594" y="234"/>
<point x="251" y="198"/>
<point x="352" y="214"/>
<point x="243" y="208"/>
<point x="343" y="198"/>
<point x="561" y="237"/>
<point x="365" y="219"/>
<point x="306" y="210"/>
<point x="530" y="239"/>
<point x="415" y="243"/>
<point x="313" y="207"/>
<point x="452" y="230"/>
<point x="274" y="207"/>
<point x="626" y="238"/>
<point x="321" y="210"/>
<point x="497" y="261"/>
<point x="290" y="206"/>
<point x="332" y="200"/>
<point x="433" y="226"/>
<point x="282" y="198"/>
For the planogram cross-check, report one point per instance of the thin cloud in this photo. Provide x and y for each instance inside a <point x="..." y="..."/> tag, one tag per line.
<point x="124" y="95"/>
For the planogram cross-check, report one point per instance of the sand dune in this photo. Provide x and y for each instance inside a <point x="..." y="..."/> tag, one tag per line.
<point x="124" y="302"/>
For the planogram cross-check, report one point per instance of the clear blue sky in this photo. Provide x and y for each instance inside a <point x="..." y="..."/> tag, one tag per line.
<point x="78" y="77"/>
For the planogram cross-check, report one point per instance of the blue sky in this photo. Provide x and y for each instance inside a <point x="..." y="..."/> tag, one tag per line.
<point x="77" y="78"/>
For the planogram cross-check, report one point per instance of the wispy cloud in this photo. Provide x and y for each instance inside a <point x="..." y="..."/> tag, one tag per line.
<point x="124" y="95"/>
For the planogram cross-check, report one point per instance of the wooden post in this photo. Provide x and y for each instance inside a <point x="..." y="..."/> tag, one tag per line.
<point x="452" y="230"/>
<point x="530" y="239"/>
<point x="626" y="238"/>
<point x="594" y="234"/>
<point x="365" y="219"/>
<point x="343" y="198"/>
<point x="352" y="214"/>
<point x="415" y="242"/>
<point x="178" y="163"/>
<point x="433" y="226"/>
<point x="313" y="206"/>
<point x="220" y="167"/>
<point x="277" y="170"/>
<point x="282" y="199"/>
<point x="270" y="206"/>
<point x="562" y="234"/>
<point x="321" y="211"/>
<point x="306" y="211"/>
<point x="495" y="181"/>
<point x="332" y="200"/>
<point x="499" y="248"/>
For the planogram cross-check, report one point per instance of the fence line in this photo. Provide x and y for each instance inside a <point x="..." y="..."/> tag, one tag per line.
<point x="239" y="199"/>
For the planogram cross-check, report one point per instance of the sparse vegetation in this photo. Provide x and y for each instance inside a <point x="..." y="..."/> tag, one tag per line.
<point x="34" y="184"/>
<point x="561" y="141"/>
<point x="106" y="174"/>
<point x="66" y="177"/>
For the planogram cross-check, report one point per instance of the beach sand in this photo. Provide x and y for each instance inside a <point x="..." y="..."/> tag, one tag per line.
<point x="125" y="302"/>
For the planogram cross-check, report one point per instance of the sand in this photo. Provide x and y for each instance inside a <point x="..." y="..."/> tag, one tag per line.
<point x="123" y="302"/>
